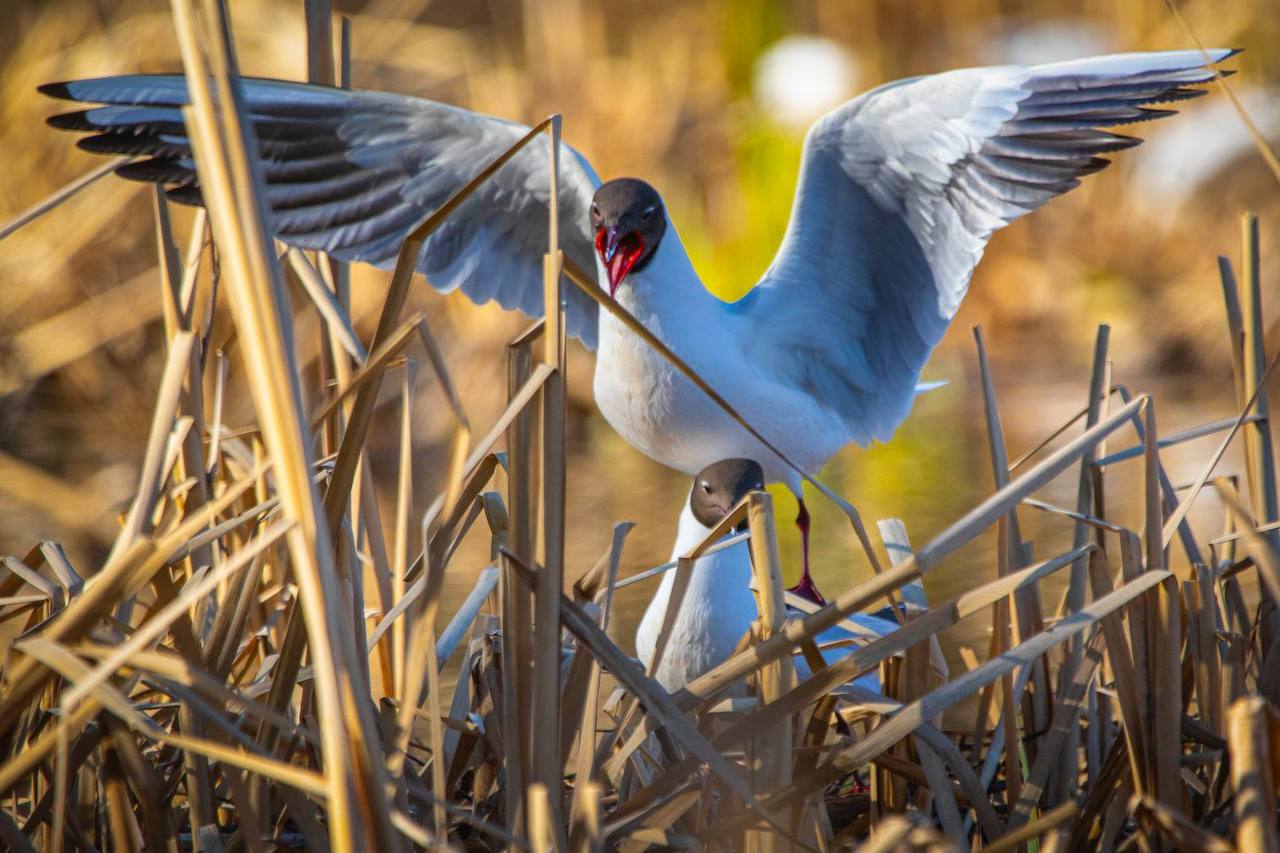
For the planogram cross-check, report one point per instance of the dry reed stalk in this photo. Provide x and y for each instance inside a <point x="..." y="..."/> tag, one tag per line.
<point x="771" y="745"/>
<point x="326" y="301"/>
<point x="1252" y="741"/>
<point x="119" y="579"/>
<point x="517" y="602"/>
<point x="370" y="371"/>
<point x="1059" y="740"/>
<point x="1258" y="446"/>
<point x="1180" y="832"/>
<point x="1047" y="822"/>
<point x="55" y="199"/>
<point x="1085" y="500"/>
<point x="546" y="765"/>
<point x="404" y="496"/>
<point x="1023" y="605"/>
<point x="1164" y="631"/>
<point x="220" y="140"/>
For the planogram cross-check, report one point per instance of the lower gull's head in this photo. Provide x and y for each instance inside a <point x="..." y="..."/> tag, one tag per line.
<point x="720" y="486"/>
<point x="628" y="220"/>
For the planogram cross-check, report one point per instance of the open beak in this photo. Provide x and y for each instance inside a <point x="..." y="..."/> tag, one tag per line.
<point x="619" y="253"/>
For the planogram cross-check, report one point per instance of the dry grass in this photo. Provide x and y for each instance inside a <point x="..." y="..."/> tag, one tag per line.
<point x="221" y="682"/>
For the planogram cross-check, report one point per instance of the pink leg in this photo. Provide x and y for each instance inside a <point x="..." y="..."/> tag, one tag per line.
<point x="806" y="588"/>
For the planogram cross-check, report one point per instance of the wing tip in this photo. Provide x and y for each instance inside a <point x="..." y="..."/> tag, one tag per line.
<point x="108" y="143"/>
<point x="189" y="195"/>
<point x="77" y="120"/>
<point x="61" y="90"/>
<point x="1215" y="55"/>
<point x="157" y="170"/>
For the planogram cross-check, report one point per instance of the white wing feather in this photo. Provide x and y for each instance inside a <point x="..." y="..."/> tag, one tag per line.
<point x="899" y="191"/>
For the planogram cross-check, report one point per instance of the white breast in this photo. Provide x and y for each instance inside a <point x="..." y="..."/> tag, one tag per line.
<point x="718" y="609"/>
<point x="664" y="415"/>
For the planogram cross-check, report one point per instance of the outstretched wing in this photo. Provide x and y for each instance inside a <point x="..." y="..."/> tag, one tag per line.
<point x="351" y="173"/>
<point x="899" y="191"/>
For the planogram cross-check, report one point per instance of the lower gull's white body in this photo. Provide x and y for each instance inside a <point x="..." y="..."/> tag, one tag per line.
<point x="718" y="609"/>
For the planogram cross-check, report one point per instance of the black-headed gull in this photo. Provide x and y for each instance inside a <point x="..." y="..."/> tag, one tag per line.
<point x="719" y="606"/>
<point x="899" y="191"/>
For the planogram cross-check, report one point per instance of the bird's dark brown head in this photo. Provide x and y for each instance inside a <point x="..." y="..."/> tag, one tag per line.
<point x="628" y="220"/>
<point x="718" y="488"/>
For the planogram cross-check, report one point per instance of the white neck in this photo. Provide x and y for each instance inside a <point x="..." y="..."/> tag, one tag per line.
<point x="729" y="565"/>
<point x="667" y="293"/>
<point x="717" y="609"/>
<point x="690" y="533"/>
<point x="642" y="395"/>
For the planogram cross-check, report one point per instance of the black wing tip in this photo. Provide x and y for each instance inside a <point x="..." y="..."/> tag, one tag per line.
<point x="1208" y="53"/>
<point x="189" y="196"/>
<point x="1146" y="114"/>
<point x="77" y="120"/>
<point x="137" y="145"/>
<point x="62" y="91"/>
<point x="157" y="170"/>
<point x="177" y="181"/>
<point x="110" y="143"/>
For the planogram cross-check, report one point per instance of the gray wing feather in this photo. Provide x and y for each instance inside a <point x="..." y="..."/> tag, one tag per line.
<point x="352" y="172"/>
<point x="899" y="191"/>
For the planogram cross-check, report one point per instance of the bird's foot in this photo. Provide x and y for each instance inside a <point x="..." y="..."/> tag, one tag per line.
<point x="806" y="588"/>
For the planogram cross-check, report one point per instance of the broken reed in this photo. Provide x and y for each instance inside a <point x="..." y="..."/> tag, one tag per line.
<point x="215" y="682"/>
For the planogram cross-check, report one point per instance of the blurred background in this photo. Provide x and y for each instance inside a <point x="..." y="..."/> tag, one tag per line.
<point x="709" y="101"/>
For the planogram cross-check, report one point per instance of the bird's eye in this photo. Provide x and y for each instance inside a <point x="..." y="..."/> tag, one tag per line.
<point x="706" y="487"/>
<point x="595" y="211"/>
<point x="647" y="215"/>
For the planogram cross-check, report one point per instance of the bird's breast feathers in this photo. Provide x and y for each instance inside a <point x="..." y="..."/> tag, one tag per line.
<point x="660" y="412"/>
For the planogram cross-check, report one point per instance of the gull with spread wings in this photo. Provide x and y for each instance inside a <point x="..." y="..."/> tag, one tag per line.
<point x="899" y="191"/>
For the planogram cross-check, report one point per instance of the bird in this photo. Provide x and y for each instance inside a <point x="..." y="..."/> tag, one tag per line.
<point x="899" y="191"/>
<point x="718" y="605"/>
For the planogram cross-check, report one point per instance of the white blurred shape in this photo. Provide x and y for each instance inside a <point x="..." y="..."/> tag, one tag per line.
<point x="1048" y="41"/>
<point x="1179" y="159"/>
<point x="800" y="77"/>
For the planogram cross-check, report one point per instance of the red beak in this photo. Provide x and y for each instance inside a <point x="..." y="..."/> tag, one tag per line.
<point x="619" y="253"/>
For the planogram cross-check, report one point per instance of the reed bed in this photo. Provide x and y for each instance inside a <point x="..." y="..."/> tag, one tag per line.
<point x="227" y="680"/>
